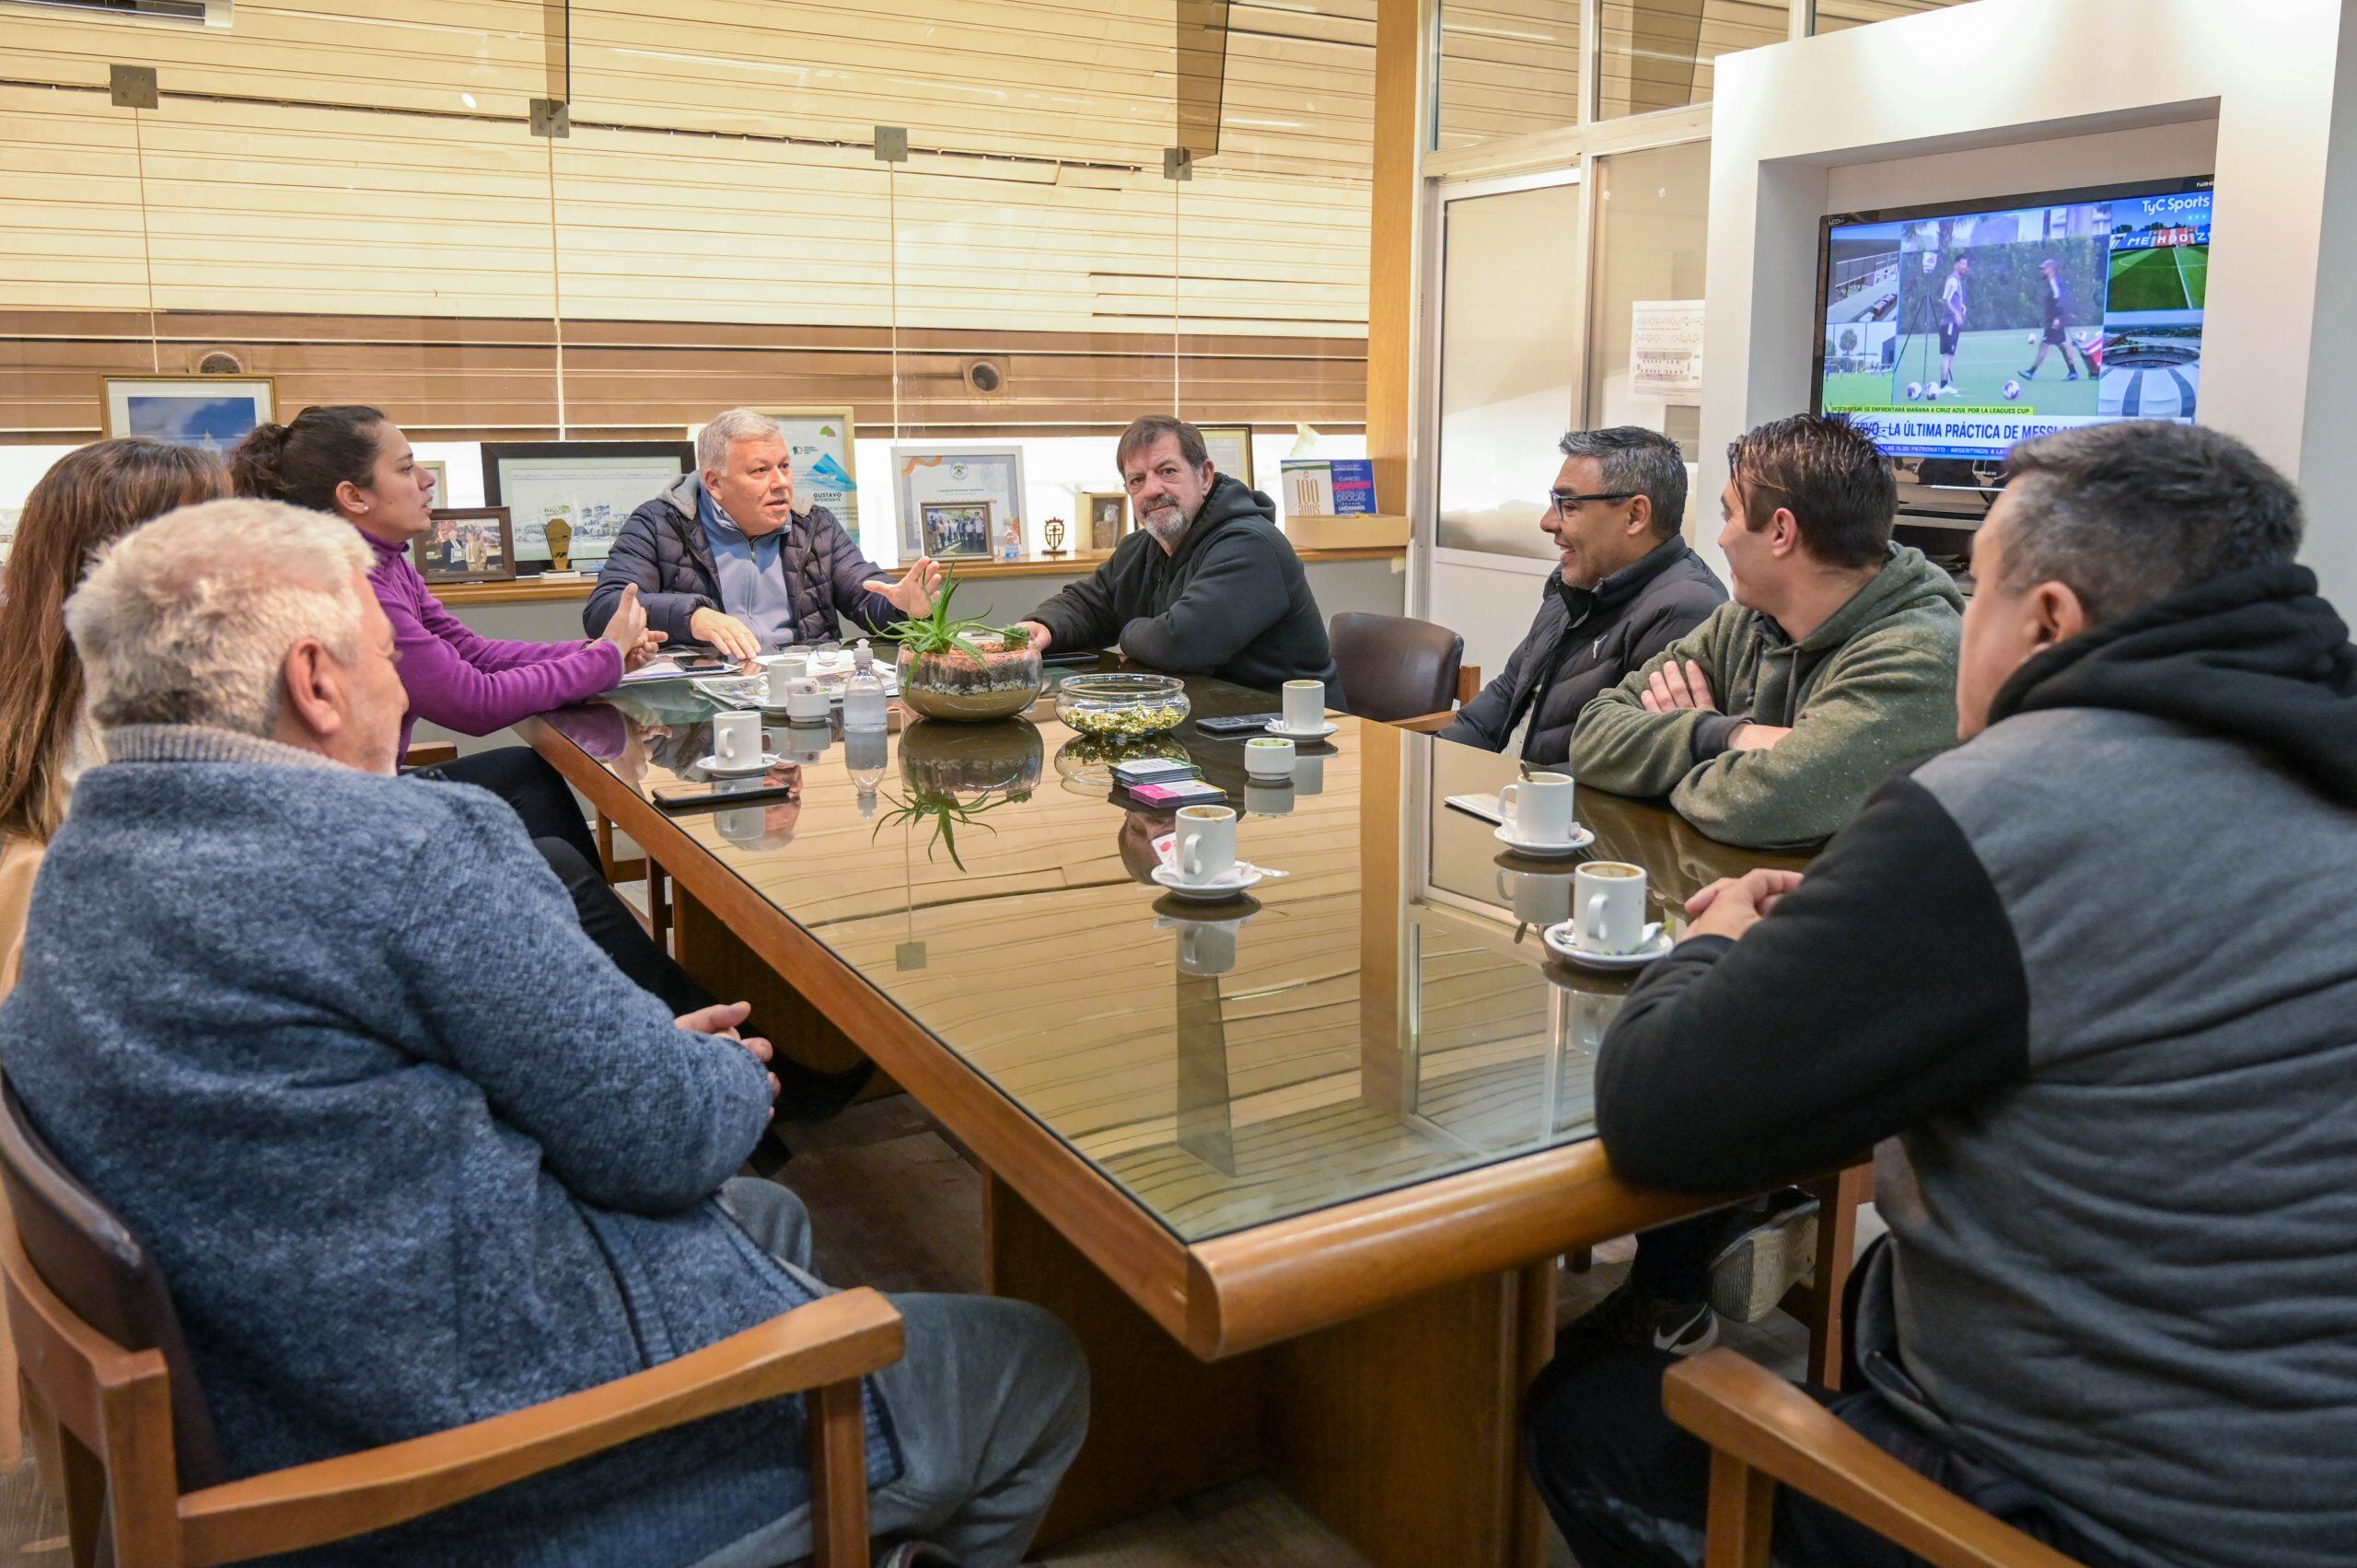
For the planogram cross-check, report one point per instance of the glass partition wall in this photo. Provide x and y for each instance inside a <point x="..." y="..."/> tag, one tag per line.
<point x="980" y="222"/>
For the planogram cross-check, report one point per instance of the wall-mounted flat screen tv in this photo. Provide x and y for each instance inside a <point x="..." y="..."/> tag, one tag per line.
<point x="1953" y="330"/>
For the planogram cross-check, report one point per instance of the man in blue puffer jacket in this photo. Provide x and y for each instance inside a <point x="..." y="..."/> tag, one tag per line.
<point x="409" y="1150"/>
<point x="724" y="560"/>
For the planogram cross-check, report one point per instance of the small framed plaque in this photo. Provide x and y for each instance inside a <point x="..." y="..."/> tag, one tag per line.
<point x="466" y="544"/>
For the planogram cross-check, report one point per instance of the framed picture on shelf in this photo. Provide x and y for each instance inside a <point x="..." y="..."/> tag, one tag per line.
<point x="212" y="412"/>
<point x="826" y="467"/>
<point x="922" y="476"/>
<point x="590" y="486"/>
<point x="957" y="530"/>
<point x="1107" y="512"/>
<point x="466" y="544"/>
<point x="1230" y="449"/>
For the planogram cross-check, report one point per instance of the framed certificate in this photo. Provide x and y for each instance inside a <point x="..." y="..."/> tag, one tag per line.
<point x="594" y="486"/>
<point x="924" y="476"/>
<point x="1230" y="449"/>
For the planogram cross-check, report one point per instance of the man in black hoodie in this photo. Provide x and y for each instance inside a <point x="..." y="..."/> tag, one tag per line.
<point x="1207" y="586"/>
<point x="2088" y="983"/>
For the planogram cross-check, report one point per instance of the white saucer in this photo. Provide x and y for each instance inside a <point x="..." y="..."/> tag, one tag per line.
<point x="1245" y="875"/>
<point x="720" y="769"/>
<point x="1581" y="838"/>
<point x="1277" y="726"/>
<point x="1558" y="938"/>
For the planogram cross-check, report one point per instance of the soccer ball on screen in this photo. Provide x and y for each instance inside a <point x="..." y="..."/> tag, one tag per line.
<point x="1914" y="391"/>
<point x="2012" y="391"/>
<point x="2029" y="337"/>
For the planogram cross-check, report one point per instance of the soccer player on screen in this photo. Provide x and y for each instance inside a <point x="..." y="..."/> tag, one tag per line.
<point x="2057" y="307"/>
<point x="1951" y="321"/>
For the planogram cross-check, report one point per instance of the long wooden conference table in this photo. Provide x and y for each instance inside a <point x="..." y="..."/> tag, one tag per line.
<point x="1295" y="1169"/>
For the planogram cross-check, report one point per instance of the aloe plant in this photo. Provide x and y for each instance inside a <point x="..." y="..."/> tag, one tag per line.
<point x="949" y="813"/>
<point x="937" y="633"/>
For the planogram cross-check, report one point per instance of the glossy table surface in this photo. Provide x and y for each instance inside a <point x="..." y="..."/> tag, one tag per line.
<point x="1383" y="1013"/>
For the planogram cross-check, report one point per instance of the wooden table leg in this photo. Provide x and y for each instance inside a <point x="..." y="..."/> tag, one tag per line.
<point x="1162" y="1425"/>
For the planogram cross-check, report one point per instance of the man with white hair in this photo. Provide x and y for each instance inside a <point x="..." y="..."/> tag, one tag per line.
<point x="410" y="1151"/>
<point x="724" y="559"/>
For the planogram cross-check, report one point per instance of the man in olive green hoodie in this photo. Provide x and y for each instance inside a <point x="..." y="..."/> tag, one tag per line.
<point x="1769" y="723"/>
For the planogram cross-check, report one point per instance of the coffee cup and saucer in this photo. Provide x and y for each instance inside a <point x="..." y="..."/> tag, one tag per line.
<point x="738" y="747"/>
<point x="1202" y="864"/>
<point x="1305" y="712"/>
<point x="1538" y="822"/>
<point x="1607" y="929"/>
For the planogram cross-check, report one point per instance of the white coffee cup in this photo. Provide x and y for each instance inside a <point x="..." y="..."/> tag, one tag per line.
<point x="1538" y="809"/>
<point x="1205" y="847"/>
<point x="783" y="672"/>
<point x="1269" y="757"/>
<point x="805" y="700"/>
<point x="1305" y="706"/>
<point x="737" y="738"/>
<point x="1540" y="898"/>
<point x="1609" y="907"/>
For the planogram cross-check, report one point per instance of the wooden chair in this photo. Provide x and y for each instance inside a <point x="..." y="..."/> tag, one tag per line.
<point x="105" y="1364"/>
<point x="1469" y="686"/>
<point x="430" y="753"/>
<point x="1762" y="1429"/>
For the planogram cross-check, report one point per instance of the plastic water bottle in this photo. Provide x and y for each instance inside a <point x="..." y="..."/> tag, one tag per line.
<point x="864" y="705"/>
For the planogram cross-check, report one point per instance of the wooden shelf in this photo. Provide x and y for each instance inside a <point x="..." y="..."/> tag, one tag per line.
<point x="530" y="590"/>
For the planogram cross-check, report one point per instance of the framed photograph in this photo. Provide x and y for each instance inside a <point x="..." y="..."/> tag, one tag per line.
<point x="826" y="467"/>
<point x="1230" y="446"/>
<point x="957" y="530"/>
<point x="592" y="486"/>
<point x="441" y="472"/>
<point x="1107" y="512"/>
<point x="925" y="475"/>
<point x="212" y="412"/>
<point x="466" y="544"/>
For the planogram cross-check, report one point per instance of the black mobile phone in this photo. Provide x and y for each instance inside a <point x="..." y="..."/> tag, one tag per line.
<point x="724" y="795"/>
<point x="1085" y="656"/>
<point x="1237" y="723"/>
<point x="705" y="664"/>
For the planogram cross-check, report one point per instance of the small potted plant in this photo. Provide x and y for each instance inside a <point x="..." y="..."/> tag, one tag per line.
<point x="963" y="669"/>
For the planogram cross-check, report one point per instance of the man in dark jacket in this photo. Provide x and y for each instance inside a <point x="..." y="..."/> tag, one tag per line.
<point x="1626" y="588"/>
<point x="2088" y="982"/>
<point x="1207" y="586"/>
<point x="723" y="558"/>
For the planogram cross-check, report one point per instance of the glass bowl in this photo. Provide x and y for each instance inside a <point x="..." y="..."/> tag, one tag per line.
<point x="1122" y="707"/>
<point x="954" y="685"/>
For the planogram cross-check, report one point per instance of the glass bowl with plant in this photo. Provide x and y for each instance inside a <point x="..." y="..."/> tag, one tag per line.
<point x="963" y="669"/>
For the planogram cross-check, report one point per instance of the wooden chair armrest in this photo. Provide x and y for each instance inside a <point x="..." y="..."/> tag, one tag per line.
<point x="430" y="753"/>
<point x="832" y="1339"/>
<point x="1426" y="724"/>
<point x="1746" y="1412"/>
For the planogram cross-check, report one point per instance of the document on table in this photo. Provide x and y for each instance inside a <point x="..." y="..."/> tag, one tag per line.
<point x="1485" y="807"/>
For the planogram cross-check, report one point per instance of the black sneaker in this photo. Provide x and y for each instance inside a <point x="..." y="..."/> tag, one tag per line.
<point x="1753" y="1270"/>
<point x="1634" y="1316"/>
<point x="2029" y="375"/>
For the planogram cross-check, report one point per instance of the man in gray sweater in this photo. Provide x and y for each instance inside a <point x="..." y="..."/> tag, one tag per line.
<point x="2089" y="981"/>
<point x="409" y="1150"/>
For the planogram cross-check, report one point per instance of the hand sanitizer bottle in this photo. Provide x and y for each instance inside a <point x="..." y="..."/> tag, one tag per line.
<point x="864" y="705"/>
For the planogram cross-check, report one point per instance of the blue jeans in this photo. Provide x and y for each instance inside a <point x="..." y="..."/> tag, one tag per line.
<point x="989" y="1403"/>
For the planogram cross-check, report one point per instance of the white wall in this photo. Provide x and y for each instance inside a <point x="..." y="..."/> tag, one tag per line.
<point x="2008" y="96"/>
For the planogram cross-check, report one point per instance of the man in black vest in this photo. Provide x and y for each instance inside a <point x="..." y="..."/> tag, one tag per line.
<point x="1626" y="588"/>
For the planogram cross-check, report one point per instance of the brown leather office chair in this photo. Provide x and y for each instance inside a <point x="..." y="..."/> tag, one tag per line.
<point x="105" y="1362"/>
<point x="1394" y="667"/>
<point x="1762" y="1429"/>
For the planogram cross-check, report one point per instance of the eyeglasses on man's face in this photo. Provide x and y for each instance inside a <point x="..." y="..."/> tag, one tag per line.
<point x="1563" y="501"/>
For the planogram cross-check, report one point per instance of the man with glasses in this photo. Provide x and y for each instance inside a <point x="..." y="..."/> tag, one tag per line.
<point x="1628" y="586"/>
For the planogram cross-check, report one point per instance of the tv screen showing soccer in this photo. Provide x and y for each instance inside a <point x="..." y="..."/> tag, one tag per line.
<point x="1955" y="332"/>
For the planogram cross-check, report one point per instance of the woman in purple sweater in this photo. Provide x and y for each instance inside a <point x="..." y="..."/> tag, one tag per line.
<point x="355" y="463"/>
